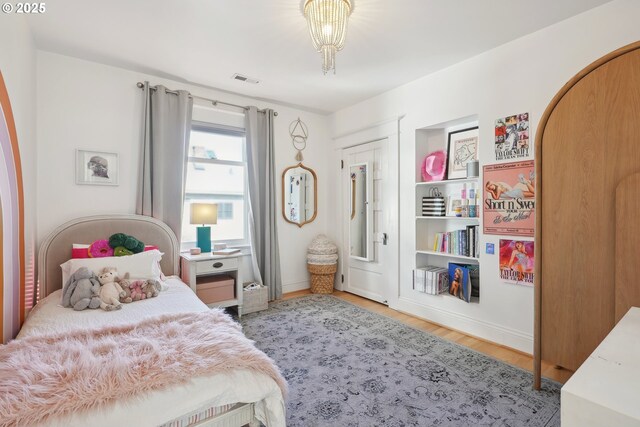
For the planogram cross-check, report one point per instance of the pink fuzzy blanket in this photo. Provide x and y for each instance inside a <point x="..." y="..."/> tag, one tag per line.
<point x="46" y="376"/>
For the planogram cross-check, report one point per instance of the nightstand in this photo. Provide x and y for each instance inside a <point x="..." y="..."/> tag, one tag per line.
<point x="199" y="269"/>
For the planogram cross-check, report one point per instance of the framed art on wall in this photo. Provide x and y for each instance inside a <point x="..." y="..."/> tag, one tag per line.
<point x="96" y="168"/>
<point x="509" y="199"/>
<point x="463" y="148"/>
<point x="512" y="137"/>
<point x="517" y="261"/>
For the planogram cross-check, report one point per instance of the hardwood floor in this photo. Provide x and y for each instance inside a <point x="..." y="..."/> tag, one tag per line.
<point x="497" y="351"/>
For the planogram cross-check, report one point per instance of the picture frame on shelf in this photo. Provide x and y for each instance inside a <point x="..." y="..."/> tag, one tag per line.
<point x="462" y="148"/>
<point x="452" y="204"/>
<point x="96" y="168"/>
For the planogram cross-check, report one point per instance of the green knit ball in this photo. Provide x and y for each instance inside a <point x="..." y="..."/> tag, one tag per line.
<point x="117" y="240"/>
<point x="126" y="241"/>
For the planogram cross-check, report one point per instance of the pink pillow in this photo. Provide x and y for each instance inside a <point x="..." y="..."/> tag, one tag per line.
<point x="79" y="251"/>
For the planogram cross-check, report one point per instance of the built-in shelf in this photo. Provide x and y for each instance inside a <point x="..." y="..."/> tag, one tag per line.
<point x="474" y="300"/>
<point x="448" y="181"/>
<point x="429" y="139"/>
<point x="454" y="218"/>
<point x="448" y="255"/>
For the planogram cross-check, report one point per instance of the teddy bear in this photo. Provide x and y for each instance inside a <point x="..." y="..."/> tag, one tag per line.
<point x="151" y="288"/>
<point x="124" y="284"/>
<point x="136" y="290"/>
<point x="110" y="291"/>
<point x="82" y="290"/>
<point x="141" y="289"/>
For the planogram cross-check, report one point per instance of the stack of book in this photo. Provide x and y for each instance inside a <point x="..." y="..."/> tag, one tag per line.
<point x="458" y="242"/>
<point x="431" y="280"/>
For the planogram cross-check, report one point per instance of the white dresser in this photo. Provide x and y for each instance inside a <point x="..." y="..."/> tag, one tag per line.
<point x="605" y="390"/>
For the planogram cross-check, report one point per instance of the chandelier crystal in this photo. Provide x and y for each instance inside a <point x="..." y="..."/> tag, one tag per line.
<point x="327" y="20"/>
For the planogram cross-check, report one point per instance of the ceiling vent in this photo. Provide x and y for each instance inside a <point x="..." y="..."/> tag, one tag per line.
<point x="245" y="79"/>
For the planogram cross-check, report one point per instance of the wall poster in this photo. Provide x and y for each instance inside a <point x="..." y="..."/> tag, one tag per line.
<point x="509" y="199"/>
<point x="516" y="261"/>
<point x="512" y="137"/>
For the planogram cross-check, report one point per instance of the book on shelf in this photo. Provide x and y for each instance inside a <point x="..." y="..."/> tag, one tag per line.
<point x="458" y="242"/>
<point x="430" y="280"/>
<point x="226" y="251"/>
<point x="474" y="278"/>
<point x="464" y="281"/>
<point x="419" y="279"/>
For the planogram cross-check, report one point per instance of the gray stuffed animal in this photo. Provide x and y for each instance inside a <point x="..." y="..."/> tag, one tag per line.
<point x="82" y="290"/>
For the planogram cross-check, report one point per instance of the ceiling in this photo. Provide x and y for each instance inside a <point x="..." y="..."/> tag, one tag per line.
<point x="389" y="42"/>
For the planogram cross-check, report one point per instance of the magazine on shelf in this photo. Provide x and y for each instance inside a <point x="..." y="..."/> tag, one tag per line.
<point x="474" y="278"/>
<point x="460" y="280"/>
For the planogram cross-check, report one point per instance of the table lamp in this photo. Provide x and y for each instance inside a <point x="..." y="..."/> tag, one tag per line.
<point x="204" y="213"/>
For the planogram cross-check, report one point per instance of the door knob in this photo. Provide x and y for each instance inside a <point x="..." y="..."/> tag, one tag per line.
<point x="384" y="238"/>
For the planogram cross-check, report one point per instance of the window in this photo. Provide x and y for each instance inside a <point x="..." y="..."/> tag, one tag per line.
<point x="216" y="174"/>
<point x="225" y="210"/>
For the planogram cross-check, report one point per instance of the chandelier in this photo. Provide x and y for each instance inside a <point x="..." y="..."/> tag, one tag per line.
<point x="327" y="20"/>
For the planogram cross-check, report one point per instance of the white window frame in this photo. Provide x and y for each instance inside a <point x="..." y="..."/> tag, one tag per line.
<point x="200" y="126"/>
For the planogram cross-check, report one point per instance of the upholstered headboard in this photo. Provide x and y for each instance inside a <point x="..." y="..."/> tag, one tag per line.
<point x="56" y="249"/>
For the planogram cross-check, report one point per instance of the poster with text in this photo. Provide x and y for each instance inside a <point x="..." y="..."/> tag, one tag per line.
<point x="516" y="262"/>
<point x="512" y="137"/>
<point x="509" y="199"/>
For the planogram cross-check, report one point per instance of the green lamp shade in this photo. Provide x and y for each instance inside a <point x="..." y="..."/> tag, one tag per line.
<point x="204" y="238"/>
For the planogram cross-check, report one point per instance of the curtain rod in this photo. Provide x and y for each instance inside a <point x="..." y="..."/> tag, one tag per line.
<point x="213" y="101"/>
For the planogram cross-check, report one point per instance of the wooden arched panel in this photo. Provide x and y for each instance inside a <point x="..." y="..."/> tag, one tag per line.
<point x="587" y="142"/>
<point x="627" y="245"/>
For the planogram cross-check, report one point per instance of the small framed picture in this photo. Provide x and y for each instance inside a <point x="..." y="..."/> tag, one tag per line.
<point x="454" y="206"/>
<point x="96" y="168"/>
<point x="463" y="148"/>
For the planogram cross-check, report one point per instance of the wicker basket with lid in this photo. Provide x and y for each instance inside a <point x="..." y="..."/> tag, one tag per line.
<point x="322" y="257"/>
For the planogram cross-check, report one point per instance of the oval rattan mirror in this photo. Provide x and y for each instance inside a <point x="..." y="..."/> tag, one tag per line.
<point x="299" y="194"/>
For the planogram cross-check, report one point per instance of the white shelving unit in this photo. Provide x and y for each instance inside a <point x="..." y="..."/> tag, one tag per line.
<point x="430" y="139"/>
<point x="447" y="255"/>
<point x="451" y="181"/>
<point x="448" y="218"/>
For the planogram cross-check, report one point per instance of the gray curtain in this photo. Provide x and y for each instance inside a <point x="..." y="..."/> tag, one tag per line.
<point x="262" y="196"/>
<point x="163" y="161"/>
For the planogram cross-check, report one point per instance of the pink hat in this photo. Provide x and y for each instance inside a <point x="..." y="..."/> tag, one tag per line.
<point x="434" y="166"/>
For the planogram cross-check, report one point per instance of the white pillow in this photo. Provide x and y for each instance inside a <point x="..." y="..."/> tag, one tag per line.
<point x="144" y="265"/>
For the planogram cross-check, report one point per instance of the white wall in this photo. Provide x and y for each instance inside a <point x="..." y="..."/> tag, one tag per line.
<point x="18" y="66"/>
<point x="521" y="76"/>
<point x="92" y="106"/>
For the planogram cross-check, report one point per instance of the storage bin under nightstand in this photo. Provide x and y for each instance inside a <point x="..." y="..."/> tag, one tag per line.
<point x="211" y="289"/>
<point x="255" y="299"/>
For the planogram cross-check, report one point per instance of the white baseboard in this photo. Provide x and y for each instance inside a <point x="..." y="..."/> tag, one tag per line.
<point x="295" y="286"/>
<point x="468" y="325"/>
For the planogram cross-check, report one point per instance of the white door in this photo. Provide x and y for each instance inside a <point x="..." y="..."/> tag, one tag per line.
<point x="366" y="220"/>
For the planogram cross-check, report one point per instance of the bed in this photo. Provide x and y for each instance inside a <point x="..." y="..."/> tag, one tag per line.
<point x="233" y="398"/>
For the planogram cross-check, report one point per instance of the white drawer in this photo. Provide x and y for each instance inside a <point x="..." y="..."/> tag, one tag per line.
<point x="216" y="265"/>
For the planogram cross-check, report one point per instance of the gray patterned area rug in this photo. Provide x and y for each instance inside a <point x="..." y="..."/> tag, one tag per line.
<point x="347" y="366"/>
